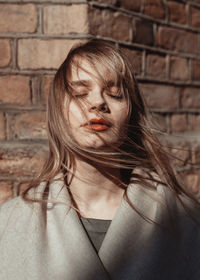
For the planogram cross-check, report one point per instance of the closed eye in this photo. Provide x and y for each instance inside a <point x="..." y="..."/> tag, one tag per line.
<point x="80" y="94"/>
<point x="114" y="96"/>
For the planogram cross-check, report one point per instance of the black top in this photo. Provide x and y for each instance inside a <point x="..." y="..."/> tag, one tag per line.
<point x="96" y="230"/>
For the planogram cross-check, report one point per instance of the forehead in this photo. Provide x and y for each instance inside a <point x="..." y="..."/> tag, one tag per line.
<point x="83" y="70"/>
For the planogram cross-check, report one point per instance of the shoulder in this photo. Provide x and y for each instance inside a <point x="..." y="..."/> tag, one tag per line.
<point x="19" y="206"/>
<point x="14" y="213"/>
<point x="14" y="206"/>
<point x="18" y="214"/>
<point x="177" y="208"/>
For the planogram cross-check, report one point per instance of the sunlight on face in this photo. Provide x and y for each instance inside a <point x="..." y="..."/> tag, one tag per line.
<point x="97" y="115"/>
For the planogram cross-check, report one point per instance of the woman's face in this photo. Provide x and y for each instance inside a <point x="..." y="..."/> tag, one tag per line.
<point x="97" y="114"/>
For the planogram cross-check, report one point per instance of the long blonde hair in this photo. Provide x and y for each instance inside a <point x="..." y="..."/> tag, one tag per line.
<point x="140" y="150"/>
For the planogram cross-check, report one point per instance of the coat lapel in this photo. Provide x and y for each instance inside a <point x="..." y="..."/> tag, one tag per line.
<point x="68" y="246"/>
<point x="128" y="244"/>
<point x="129" y="234"/>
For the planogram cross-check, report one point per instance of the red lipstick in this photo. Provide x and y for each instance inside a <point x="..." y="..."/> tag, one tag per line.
<point x="97" y="125"/>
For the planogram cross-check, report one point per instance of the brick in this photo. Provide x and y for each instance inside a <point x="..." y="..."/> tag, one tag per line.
<point x="179" y="123"/>
<point x="179" y="40"/>
<point x="143" y="32"/>
<point x="135" y="58"/>
<point x="154" y="8"/>
<point x="131" y="5"/>
<point x="46" y="87"/>
<point x="196" y="154"/>
<point x="195" y="122"/>
<point x="6" y="191"/>
<point x="159" y="122"/>
<point x="177" y="12"/>
<point x="161" y="96"/>
<point x="179" y="68"/>
<point x="18" y="18"/>
<point x="21" y="160"/>
<point x="156" y="66"/>
<point x="119" y="24"/>
<point x="190" y="98"/>
<point x="35" y="89"/>
<point x="2" y="126"/>
<point x="111" y="2"/>
<point x="30" y="125"/>
<point x="15" y="90"/>
<point x="195" y="17"/>
<point x="43" y="54"/>
<point x="62" y="19"/>
<point x="5" y="52"/>
<point x="196" y="70"/>
<point x="179" y="151"/>
<point x="192" y="181"/>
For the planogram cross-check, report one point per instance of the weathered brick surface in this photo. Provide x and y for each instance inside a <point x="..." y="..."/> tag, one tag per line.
<point x="5" y="52"/>
<point x="161" y="96"/>
<point x="179" y="40"/>
<point x="161" y="39"/>
<point x="195" y="17"/>
<point x="119" y="24"/>
<point x="179" y="123"/>
<point x="14" y="89"/>
<point x="2" y="126"/>
<point x="179" y="68"/>
<point x="143" y="32"/>
<point x="196" y="154"/>
<point x="180" y="154"/>
<point x="18" y="18"/>
<point x="154" y="8"/>
<point x="43" y="54"/>
<point x="191" y="180"/>
<point x="135" y="58"/>
<point x="159" y="122"/>
<point x="195" y="122"/>
<point x="190" y="98"/>
<point x="177" y="12"/>
<point x="131" y="5"/>
<point x="6" y="191"/>
<point x="46" y="87"/>
<point x="111" y="2"/>
<point x="21" y="160"/>
<point x="179" y="151"/>
<point x="196" y="70"/>
<point x="156" y="66"/>
<point x="29" y="125"/>
<point x="71" y="19"/>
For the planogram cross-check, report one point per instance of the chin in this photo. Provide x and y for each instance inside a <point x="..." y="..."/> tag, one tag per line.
<point x="99" y="145"/>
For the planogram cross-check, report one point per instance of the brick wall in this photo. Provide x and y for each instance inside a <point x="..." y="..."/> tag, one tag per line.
<point x="161" y="38"/>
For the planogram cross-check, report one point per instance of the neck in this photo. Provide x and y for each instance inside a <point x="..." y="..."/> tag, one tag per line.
<point x="96" y="190"/>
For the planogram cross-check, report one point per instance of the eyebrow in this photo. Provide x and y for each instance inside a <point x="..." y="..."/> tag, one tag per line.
<point x="79" y="83"/>
<point x="88" y="83"/>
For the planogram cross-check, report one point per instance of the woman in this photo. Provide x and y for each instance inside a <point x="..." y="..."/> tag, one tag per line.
<point x="107" y="204"/>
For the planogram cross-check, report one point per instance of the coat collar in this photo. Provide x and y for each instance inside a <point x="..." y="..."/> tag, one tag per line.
<point x="127" y="233"/>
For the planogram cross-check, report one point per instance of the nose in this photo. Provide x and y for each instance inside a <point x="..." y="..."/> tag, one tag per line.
<point x="98" y="103"/>
<point x="103" y="107"/>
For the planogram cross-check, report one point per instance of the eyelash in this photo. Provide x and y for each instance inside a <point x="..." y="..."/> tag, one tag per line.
<point x="81" y="95"/>
<point x="115" y="96"/>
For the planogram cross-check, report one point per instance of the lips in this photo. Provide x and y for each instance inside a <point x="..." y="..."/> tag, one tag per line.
<point x="97" y="125"/>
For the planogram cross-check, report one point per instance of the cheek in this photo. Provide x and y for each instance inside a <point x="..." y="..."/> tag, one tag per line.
<point x="75" y="114"/>
<point x="122" y="115"/>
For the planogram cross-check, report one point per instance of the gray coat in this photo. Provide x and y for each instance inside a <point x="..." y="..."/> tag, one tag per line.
<point x="132" y="249"/>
